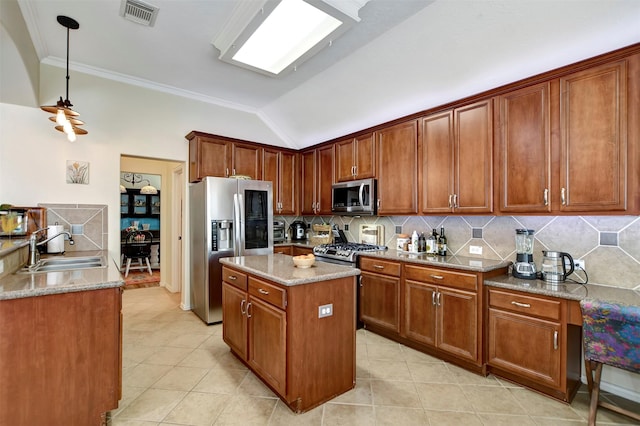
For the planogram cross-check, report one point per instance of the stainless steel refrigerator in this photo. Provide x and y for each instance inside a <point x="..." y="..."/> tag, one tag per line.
<point x="227" y="217"/>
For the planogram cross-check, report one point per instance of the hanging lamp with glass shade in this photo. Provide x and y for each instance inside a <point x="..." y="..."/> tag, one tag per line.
<point x="66" y="119"/>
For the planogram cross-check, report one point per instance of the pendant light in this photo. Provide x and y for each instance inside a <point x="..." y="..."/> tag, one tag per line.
<point x="66" y="118"/>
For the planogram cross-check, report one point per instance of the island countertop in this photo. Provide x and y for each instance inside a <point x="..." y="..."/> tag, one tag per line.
<point x="17" y="286"/>
<point x="279" y="268"/>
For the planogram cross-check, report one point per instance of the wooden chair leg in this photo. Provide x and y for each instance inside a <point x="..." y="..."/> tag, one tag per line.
<point x="126" y="271"/>
<point x="595" y="391"/>
<point x="148" y="265"/>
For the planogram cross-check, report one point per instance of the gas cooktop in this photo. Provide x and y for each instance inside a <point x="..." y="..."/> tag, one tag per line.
<point x="345" y="252"/>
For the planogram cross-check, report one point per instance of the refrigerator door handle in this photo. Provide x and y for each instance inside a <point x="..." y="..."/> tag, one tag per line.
<point x="236" y="230"/>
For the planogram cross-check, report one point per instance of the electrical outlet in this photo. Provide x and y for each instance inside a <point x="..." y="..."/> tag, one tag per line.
<point x="398" y="229"/>
<point x="579" y="263"/>
<point x="325" y="310"/>
<point x="346" y="226"/>
<point x="1" y="266"/>
<point x="475" y="249"/>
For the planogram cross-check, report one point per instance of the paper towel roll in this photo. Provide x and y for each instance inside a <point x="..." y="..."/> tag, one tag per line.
<point x="57" y="244"/>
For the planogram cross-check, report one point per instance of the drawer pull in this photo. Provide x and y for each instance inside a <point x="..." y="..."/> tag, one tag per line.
<point x="555" y="340"/>
<point x="378" y="266"/>
<point x="436" y="277"/>
<point x="261" y="291"/>
<point x="521" y="305"/>
<point x="232" y="277"/>
<point x="242" y="310"/>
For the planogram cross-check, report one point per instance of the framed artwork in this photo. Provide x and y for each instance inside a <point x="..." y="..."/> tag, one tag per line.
<point x="77" y="172"/>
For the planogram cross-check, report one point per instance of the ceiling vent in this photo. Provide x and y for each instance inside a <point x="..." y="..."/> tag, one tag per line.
<point x="139" y="12"/>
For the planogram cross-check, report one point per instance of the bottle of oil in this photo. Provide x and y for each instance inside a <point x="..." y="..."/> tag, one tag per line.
<point x="442" y="243"/>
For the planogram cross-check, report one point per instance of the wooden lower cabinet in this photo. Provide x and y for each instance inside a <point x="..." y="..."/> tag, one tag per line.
<point x="288" y="250"/>
<point x="61" y="357"/>
<point x="380" y="293"/>
<point x="276" y="332"/>
<point x="297" y="250"/>
<point x="530" y="341"/>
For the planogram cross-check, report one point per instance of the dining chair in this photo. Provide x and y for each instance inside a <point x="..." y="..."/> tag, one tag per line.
<point x="137" y="246"/>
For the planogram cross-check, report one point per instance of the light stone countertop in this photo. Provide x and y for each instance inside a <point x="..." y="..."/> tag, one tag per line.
<point x="475" y="264"/>
<point x="280" y="269"/>
<point x="17" y="286"/>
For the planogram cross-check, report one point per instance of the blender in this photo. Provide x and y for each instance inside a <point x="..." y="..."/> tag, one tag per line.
<point x="524" y="266"/>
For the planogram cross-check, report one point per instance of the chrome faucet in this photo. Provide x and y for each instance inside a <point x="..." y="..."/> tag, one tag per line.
<point x="34" y="255"/>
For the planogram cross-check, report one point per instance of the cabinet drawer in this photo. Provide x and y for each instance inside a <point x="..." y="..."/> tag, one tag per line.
<point x="380" y="266"/>
<point x="529" y="305"/>
<point x="424" y="274"/>
<point x="234" y="277"/>
<point x="268" y="292"/>
<point x="282" y="249"/>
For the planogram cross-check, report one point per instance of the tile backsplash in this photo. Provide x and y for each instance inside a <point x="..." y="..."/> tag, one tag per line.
<point x="609" y="245"/>
<point x="88" y="223"/>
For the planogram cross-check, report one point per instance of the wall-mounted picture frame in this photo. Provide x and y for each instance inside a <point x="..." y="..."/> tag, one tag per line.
<point x="78" y="172"/>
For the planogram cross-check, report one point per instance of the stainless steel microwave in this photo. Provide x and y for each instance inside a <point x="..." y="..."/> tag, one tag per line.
<point x="357" y="197"/>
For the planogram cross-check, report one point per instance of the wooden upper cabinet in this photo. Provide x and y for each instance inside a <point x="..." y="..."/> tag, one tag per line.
<point x="279" y="167"/>
<point x="317" y="178"/>
<point x="397" y="169"/>
<point x="210" y="155"/>
<point x="523" y="150"/>
<point x="355" y="158"/>
<point x="593" y="139"/>
<point x="457" y="160"/>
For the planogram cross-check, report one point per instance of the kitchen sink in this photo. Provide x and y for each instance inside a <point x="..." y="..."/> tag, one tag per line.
<point x="66" y="263"/>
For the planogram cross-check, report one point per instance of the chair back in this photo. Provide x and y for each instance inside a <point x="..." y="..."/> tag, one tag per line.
<point x="138" y="244"/>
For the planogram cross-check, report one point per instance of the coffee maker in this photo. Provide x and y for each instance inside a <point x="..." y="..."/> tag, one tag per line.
<point x="524" y="267"/>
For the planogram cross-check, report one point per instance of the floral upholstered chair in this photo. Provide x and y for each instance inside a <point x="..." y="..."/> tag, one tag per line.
<point x="611" y="334"/>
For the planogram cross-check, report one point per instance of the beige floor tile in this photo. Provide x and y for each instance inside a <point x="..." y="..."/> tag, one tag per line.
<point x="443" y="396"/>
<point x="541" y="421"/>
<point x="135" y="353"/>
<point x="360" y="394"/>
<point x="393" y="416"/>
<point x="541" y="406"/>
<point x="398" y="394"/>
<point x="491" y="399"/>
<point x="186" y="340"/>
<point x="346" y="415"/>
<point x="506" y="420"/>
<point x="431" y="372"/>
<point x="253" y="386"/>
<point x="152" y="405"/>
<point x="412" y="355"/>
<point x="201" y="358"/>
<point x="465" y="377"/>
<point x="221" y="381"/>
<point x="181" y="378"/>
<point x="129" y="394"/>
<point x="581" y="402"/>
<point x="198" y="409"/>
<point x="130" y="422"/>
<point x="380" y="351"/>
<point x="167" y="355"/>
<point x="228" y="360"/>
<point x="390" y="370"/>
<point x="371" y="339"/>
<point x="453" y="418"/>
<point x="283" y="416"/>
<point x="246" y="410"/>
<point x="144" y="375"/>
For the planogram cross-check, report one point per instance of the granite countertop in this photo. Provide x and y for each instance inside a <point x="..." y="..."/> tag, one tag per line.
<point x="17" y="286"/>
<point x="280" y="269"/>
<point x="475" y="264"/>
<point x="9" y="245"/>
<point x="567" y="290"/>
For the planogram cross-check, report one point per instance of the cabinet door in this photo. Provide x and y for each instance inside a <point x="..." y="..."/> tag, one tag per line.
<point x="287" y="178"/>
<point x="593" y="122"/>
<point x="324" y="180"/>
<point x="308" y="186"/>
<point x="474" y="158"/>
<point x="246" y="161"/>
<point x="345" y="160"/>
<point x="523" y="141"/>
<point x="139" y="205"/>
<point x="124" y="204"/>
<point x="437" y="163"/>
<point x="420" y="312"/>
<point x="365" y="154"/>
<point x="397" y="162"/>
<point x="270" y="173"/>
<point x="297" y="251"/>
<point x="458" y="323"/>
<point x="154" y="204"/>
<point x="526" y="346"/>
<point x="268" y="343"/>
<point x="234" y="320"/>
<point x="208" y="157"/>
<point x="380" y="301"/>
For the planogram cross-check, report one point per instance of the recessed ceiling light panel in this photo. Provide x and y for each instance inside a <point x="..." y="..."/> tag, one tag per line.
<point x="274" y="36"/>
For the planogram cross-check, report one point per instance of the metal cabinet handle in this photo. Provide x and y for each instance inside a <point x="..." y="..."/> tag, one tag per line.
<point x="546" y="196"/>
<point x="234" y="171"/>
<point x="227" y="172"/>
<point x="242" y="310"/>
<point x="455" y="201"/>
<point x="562" y="197"/>
<point x="378" y="266"/>
<point x="521" y="305"/>
<point x="433" y="298"/>
<point x="438" y="299"/>
<point x="248" y="307"/>
<point x="450" y="204"/>
<point x="555" y="340"/>
<point x="378" y="202"/>
<point x="261" y="291"/>
<point x="232" y="277"/>
<point x="436" y="277"/>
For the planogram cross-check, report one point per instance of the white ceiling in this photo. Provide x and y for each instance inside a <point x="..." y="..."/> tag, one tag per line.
<point x="404" y="56"/>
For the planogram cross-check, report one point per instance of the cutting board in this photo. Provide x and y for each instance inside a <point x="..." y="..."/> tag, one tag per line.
<point x="372" y="234"/>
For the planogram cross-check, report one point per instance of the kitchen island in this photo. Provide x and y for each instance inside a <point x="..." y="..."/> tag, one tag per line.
<point x="293" y="327"/>
<point x="60" y="345"/>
